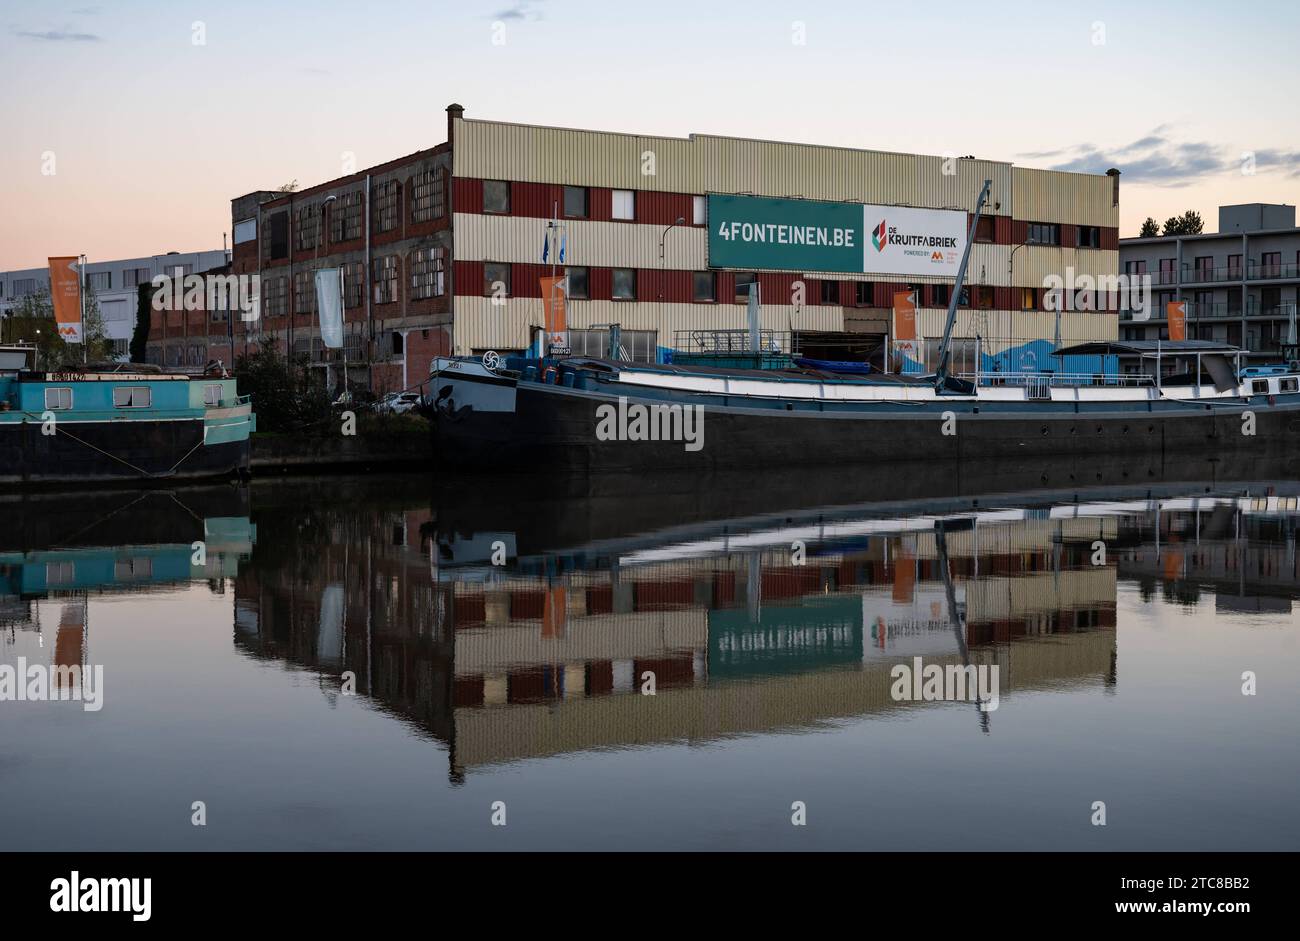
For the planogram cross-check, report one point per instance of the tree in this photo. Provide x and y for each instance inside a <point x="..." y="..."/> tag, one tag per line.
<point x="1189" y="223"/>
<point x="143" y="313"/>
<point x="290" y="187"/>
<point x="98" y="348"/>
<point x="32" y="321"/>
<point x="1150" y="229"/>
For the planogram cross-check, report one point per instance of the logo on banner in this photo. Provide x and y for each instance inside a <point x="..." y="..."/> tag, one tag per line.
<point x="880" y="236"/>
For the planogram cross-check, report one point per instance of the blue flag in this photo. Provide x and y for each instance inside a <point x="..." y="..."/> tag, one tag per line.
<point x="564" y="237"/>
<point x="546" y="246"/>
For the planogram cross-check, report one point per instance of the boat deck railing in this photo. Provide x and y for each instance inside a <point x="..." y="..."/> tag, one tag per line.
<point x="1039" y="382"/>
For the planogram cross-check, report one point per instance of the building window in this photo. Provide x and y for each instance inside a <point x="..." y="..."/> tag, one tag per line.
<point x="624" y="284"/>
<point x="58" y="399"/>
<point x="134" y="277"/>
<point x="100" y="280"/>
<point x="386" y="279"/>
<point x="212" y="394"/>
<point x="496" y="279"/>
<point x="1029" y="299"/>
<point x="399" y="344"/>
<point x="1234" y="267"/>
<point x="345" y="217"/>
<point x="308" y="227"/>
<point x="132" y="397"/>
<point x="1270" y="265"/>
<point x="984" y="297"/>
<point x="577" y="282"/>
<point x="830" y="292"/>
<point x="864" y="293"/>
<point x="1043" y="233"/>
<point x="276" y="244"/>
<point x="1135" y="269"/>
<point x="245" y="231"/>
<point x="700" y="210"/>
<point x="575" y="202"/>
<point x="704" y="285"/>
<point x="428" y="196"/>
<point x="1090" y="236"/>
<point x="940" y="294"/>
<point x="984" y="229"/>
<point x="23" y="286"/>
<point x="743" y="280"/>
<point x="638" y="346"/>
<point x="354" y="284"/>
<point x="275" y="296"/>
<point x="304" y="292"/>
<point x="624" y="204"/>
<point x="428" y="269"/>
<point x="496" y="196"/>
<point x="1168" y="272"/>
<point x="386" y="196"/>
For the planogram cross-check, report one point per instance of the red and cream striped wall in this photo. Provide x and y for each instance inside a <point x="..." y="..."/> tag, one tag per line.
<point x="667" y="173"/>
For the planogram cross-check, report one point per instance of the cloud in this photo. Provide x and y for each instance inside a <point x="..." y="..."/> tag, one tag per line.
<point x="520" y="11"/>
<point x="1159" y="159"/>
<point x="57" y="35"/>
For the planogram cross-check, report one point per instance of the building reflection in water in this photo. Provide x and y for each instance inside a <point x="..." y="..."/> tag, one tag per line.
<point x="547" y="653"/>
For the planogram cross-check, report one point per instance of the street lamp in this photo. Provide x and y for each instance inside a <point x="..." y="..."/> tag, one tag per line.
<point x="679" y="221"/>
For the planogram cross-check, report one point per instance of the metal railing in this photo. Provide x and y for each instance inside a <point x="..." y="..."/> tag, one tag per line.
<point x="1038" y="383"/>
<point x="1216" y="310"/>
<point x="733" y="341"/>
<point x="1260" y="271"/>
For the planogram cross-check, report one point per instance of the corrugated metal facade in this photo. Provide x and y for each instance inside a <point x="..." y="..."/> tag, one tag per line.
<point x="701" y="164"/>
<point x="484" y="325"/>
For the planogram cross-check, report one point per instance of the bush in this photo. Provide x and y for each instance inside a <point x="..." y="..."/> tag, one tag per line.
<point x="283" y="394"/>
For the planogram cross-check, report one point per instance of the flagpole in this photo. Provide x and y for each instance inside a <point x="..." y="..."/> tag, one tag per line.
<point x="85" y="347"/>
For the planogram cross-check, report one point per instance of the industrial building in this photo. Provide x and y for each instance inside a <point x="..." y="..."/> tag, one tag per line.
<point x="114" y="284"/>
<point x="1240" y="284"/>
<point x="443" y="250"/>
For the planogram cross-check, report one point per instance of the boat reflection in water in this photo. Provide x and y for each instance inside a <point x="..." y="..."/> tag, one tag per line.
<point x="57" y="550"/>
<point x="534" y="630"/>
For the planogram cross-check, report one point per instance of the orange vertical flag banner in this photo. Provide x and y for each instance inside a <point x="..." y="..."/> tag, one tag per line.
<point x="904" y="315"/>
<point x="1177" y="313"/>
<point x="65" y="293"/>
<point x="556" y="316"/>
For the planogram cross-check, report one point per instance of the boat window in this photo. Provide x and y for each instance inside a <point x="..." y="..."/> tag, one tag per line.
<point x="212" y="394"/>
<point x="1259" y="387"/>
<point x="58" y="398"/>
<point x="132" y="397"/>
<point x="1289" y="385"/>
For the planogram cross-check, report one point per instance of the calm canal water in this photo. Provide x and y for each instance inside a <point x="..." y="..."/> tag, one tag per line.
<point x="373" y="663"/>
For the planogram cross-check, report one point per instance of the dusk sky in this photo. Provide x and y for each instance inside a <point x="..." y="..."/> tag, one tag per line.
<point x="149" y="135"/>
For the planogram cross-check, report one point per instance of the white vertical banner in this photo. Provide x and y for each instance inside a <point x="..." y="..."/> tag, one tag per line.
<point x="329" y="301"/>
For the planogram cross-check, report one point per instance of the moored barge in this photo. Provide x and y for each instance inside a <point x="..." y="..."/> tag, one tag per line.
<point x="119" y="423"/>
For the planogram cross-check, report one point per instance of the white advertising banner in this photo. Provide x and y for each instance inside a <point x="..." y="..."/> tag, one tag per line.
<point x="904" y="240"/>
<point x="329" y="301"/>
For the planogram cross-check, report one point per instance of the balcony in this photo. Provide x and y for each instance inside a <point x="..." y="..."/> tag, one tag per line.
<point x="1211" y="275"/>
<point x="1273" y="272"/>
